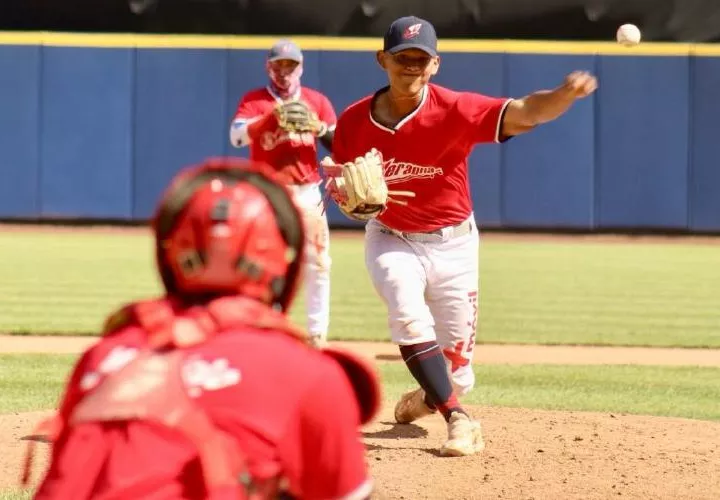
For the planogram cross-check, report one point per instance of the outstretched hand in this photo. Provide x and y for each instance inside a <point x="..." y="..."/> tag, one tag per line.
<point x="580" y="84"/>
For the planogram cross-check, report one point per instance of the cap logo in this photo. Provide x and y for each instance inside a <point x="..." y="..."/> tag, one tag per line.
<point x="285" y="48"/>
<point x="412" y="31"/>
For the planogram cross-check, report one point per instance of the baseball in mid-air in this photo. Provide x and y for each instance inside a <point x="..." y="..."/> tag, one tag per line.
<point x="628" y="35"/>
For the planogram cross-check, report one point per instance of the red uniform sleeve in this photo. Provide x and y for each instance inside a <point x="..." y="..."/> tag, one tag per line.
<point x="482" y="115"/>
<point x="331" y="454"/>
<point x="340" y="152"/>
<point x="247" y="109"/>
<point x="250" y="121"/>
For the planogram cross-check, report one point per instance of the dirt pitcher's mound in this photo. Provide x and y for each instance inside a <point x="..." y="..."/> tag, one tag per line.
<point x="14" y="431"/>
<point x="549" y="455"/>
<point x="529" y="454"/>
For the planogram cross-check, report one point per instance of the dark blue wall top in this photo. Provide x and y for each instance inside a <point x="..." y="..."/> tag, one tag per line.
<point x="97" y="132"/>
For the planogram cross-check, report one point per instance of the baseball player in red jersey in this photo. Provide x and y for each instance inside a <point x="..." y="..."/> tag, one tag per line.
<point x="260" y="124"/>
<point x="422" y="252"/>
<point x="210" y="383"/>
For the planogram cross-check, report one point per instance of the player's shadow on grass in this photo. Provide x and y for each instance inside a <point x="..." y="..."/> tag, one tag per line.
<point x="397" y="431"/>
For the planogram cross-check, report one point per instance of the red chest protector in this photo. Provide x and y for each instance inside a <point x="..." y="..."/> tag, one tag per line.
<point x="150" y="388"/>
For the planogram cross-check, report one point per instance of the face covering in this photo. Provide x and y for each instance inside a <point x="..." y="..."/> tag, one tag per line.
<point x="284" y="82"/>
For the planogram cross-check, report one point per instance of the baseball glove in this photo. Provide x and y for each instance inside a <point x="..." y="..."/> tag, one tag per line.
<point x="359" y="187"/>
<point x="296" y="116"/>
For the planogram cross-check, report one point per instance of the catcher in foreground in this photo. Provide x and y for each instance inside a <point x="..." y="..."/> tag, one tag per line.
<point x="209" y="392"/>
<point x="359" y="187"/>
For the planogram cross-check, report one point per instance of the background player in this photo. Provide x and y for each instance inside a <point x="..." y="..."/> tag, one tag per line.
<point x="258" y="123"/>
<point x="185" y="394"/>
<point x="422" y="256"/>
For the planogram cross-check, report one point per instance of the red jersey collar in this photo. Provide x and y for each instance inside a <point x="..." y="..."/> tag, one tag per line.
<point x="426" y="91"/>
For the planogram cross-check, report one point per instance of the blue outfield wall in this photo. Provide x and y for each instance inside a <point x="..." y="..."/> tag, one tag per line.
<point x="642" y="157"/>
<point x="550" y="170"/>
<point x="97" y="132"/>
<point x="20" y="140"/>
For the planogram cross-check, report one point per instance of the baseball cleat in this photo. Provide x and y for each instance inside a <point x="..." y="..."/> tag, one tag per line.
<point x="464" y="437"/>
<point x="412" y="407"/>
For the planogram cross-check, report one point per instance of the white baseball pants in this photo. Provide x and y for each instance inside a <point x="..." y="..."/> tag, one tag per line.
<point x="317" y="259"/>
<point x="430" y="289"/>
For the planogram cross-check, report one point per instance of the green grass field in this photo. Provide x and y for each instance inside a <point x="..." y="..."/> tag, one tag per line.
<point x="14" y="494"/>
<point x="34" y="382"/>
<point x="532" y="292"/>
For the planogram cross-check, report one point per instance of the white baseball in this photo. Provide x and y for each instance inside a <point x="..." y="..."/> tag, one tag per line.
<point x="628" y="35"/>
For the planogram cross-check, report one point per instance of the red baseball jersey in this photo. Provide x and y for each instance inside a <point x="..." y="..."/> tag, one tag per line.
<point x="292" y="410"/>
<point x="295" y="154"/>
<point x="427" y="153"/>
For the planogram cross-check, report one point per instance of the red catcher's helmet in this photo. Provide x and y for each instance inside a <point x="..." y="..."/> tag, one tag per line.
<point x="227" y="227"/>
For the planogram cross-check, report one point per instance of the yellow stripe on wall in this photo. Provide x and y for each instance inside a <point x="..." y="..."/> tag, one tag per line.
<point x="130" y="40"/>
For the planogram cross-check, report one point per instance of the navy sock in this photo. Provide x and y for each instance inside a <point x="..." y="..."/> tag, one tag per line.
<point x="427" y="364"/>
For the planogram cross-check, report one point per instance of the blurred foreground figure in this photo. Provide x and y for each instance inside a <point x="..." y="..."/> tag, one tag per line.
<point x="209" y="392"/>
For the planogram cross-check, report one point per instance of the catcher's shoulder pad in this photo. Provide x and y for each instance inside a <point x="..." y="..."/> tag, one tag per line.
<point x="231" y="311"/>
<point x="119" y="319"/>
<point x="154" y="316"/>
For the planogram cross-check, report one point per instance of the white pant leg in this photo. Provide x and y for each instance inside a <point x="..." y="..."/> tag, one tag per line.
<point x="453" y="298"/>
<point x="317" y="260"/>
<point x="398" y="275"/>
